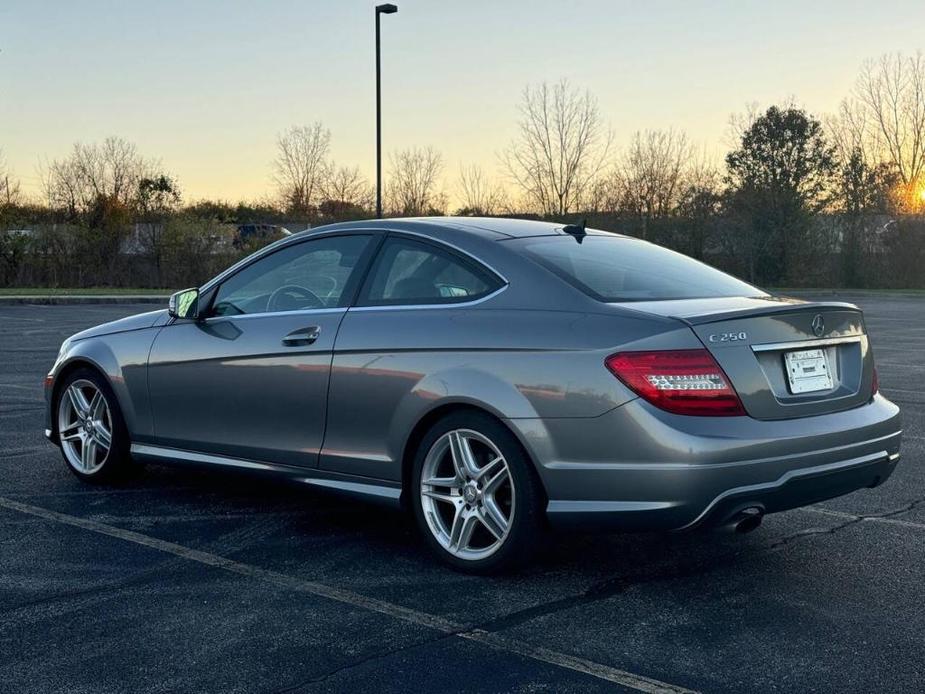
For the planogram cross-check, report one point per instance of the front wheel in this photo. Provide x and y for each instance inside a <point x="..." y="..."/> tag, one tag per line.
<point x="91" y="431"/>
<point x="476" y="497"/>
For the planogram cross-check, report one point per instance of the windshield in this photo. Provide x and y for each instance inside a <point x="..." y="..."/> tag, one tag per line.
<point x="614" y="268"/>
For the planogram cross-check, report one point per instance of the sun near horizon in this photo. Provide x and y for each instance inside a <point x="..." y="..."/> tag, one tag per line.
<point x="206" y="87"/>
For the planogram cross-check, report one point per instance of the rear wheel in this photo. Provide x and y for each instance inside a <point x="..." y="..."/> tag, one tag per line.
<point x="91" y="431"/>
<point x="476" y="497"/>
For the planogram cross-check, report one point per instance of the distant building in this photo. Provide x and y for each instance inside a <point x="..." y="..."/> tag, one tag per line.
<point x="259" y="232"/>
<point x="20" y="233"/>
<point x="145" y="235"/>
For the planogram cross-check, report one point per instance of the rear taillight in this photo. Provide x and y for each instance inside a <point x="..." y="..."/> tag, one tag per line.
<point x="875" y="385"/>
<point x="687" y="381"/>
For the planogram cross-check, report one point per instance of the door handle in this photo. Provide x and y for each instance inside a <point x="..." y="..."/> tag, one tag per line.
<point x="302" y="336"/>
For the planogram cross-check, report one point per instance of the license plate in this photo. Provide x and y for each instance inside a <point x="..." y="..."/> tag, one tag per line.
<point x="808" y="371"/>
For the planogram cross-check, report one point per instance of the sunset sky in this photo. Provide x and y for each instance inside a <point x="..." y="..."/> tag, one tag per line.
<point x="205" y="86"/>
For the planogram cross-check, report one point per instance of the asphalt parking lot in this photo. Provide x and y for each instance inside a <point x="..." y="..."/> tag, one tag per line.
<point x="195" y="581"/>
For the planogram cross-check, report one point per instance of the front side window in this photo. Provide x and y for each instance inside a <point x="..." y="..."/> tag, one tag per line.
<point x="612" y="268"/>
<point x="410" y="272"/>
<point x="308" y="275"/>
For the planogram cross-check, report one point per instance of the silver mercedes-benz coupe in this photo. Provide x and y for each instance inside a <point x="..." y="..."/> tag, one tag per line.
<point x="493" y="376"/>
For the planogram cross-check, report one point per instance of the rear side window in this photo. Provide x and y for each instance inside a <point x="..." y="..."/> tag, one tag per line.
<point x="410" y="272"/>
<point x="622" y="269"/>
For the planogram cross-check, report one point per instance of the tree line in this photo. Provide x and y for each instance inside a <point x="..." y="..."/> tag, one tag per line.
<point x="798" y="200"/>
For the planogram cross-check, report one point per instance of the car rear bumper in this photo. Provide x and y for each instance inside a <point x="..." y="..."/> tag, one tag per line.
<point x="796" y="488"/>
<point x="638" y="468"/>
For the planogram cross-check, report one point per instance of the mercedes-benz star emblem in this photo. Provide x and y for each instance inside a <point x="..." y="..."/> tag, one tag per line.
<point x="818" y="325"/>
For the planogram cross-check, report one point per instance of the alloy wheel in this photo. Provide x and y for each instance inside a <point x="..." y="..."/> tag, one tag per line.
<point x="84" y="426"/>
<point x="467" y="494"/>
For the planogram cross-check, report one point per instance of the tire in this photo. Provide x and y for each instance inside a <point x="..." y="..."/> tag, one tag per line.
<point x="84" y="426"/>
<point x="461" y="494"/>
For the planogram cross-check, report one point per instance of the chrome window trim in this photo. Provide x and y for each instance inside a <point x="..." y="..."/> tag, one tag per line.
<point x="363" y="231"/>
<point x="311" y="234"/>
<point x="801" y="344"/>
<point x="297" y="312"/>
<point x="414" y="307"/>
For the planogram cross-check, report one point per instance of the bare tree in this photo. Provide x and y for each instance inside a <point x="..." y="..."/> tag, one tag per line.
<point x="346" y="185"/>
<point x="412" y="189"/>
<point x="651" y="177"/>
<point x="866" y="187"/>
<point x="891" y="93"/>
<point x="850" y="130"/>
<point x="300" y="165"/>
<point x="740" y="121"/>
<point x="561" y="148"/>
<point x="479" y="196"/>
<point x="700" y="203"/>
<point x="867" y="182"/>
<point x="9" y="187"/>
<point x="652" y="172"/>
<point x="702" y="171"/>
<point x="107" y="171"/>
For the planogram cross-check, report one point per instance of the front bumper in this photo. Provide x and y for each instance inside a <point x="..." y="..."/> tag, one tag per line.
<point x="639" y="468"/>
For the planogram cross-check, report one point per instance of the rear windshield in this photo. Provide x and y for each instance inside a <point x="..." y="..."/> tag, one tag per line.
<point x="613" y="268"/>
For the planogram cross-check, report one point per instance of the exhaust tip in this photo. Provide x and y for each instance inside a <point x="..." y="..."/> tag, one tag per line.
<point x="748" y="519"/>
<point x="749" y="523"/>
<point x="745" y="520"/>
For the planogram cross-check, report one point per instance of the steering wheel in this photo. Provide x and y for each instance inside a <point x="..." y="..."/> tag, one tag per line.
<point x="332" y="287"/>
<point x="276" y="302"/>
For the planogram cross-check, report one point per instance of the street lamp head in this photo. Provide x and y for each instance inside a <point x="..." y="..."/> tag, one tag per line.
<point x="387" y="8"/>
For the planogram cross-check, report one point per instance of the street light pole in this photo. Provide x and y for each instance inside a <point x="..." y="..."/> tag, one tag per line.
<point x="380" y="9"/>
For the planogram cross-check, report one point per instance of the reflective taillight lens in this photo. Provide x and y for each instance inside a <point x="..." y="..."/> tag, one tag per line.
<point x="687" y="381"/>
<point x="875" y="385"/>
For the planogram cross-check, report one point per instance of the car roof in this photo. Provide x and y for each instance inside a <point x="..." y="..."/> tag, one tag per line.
<point x="480" y="237"/>
<point x="498" y="228"/>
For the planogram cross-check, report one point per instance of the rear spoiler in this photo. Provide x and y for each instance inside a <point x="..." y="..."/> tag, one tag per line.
<point x="809" y="307"/>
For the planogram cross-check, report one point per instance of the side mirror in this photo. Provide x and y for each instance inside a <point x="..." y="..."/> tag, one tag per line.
<point x="184" y="304"/>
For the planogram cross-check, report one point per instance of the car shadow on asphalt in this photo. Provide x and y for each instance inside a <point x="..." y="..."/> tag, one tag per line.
<point x="315" y="517"/>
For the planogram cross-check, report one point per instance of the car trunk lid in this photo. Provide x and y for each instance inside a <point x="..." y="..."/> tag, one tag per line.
<point x="786" y="358"/>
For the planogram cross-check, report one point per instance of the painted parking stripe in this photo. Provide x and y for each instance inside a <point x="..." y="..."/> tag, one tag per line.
<point x="866" y="519"/>
<point x="348" y="597"/>
<point x="100" y="492"/>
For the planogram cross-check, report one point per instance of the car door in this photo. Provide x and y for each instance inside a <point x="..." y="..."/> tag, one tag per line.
<point x="249" y="379"/>
<point x="408" y="322"/>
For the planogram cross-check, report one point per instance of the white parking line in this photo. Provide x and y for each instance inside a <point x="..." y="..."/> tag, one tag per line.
<point x="101" y="492"/>
<point x="871" y="519"/>
<point x="502" y="643"/>
<point x="897" y="521"/>
<point x="900" y="366"/>
<point x="36" y="387"/>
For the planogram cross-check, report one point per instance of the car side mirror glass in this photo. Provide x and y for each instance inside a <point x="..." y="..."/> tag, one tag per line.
<point x="184" y="304"/>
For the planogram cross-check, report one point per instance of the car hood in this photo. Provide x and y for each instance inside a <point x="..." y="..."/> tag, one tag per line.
<point x="137" y="322"/>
